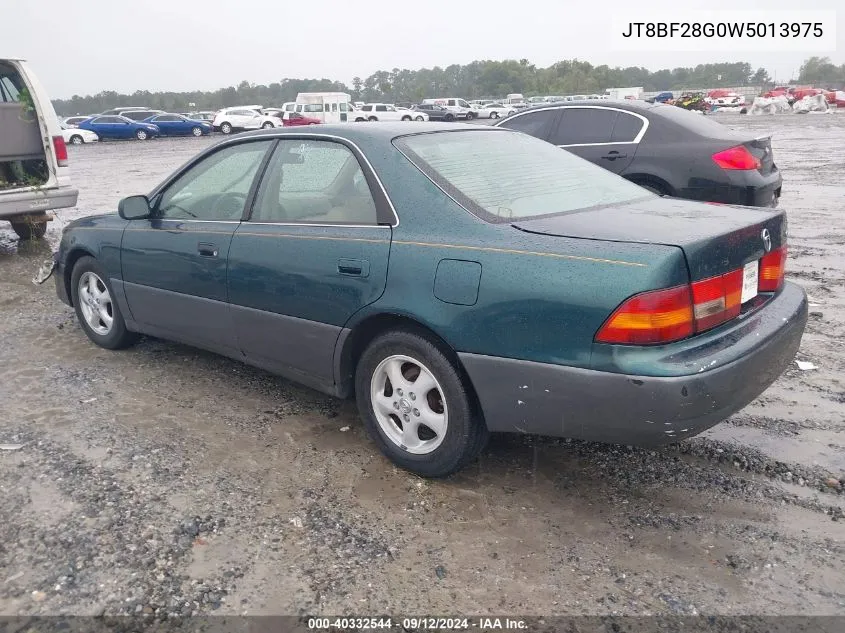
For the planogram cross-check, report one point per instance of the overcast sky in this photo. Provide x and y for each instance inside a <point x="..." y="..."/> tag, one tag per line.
<point x="85" y="46"/>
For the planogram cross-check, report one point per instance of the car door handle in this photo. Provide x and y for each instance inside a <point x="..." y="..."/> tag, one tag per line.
<point x="353" y="267"/>
<point x="206" y="249"/>
<point x="614" y="155"/>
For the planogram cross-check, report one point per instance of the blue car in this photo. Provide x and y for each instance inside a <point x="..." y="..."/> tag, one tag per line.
<point x="115" y="126"/>
<point x="179" y="125"/>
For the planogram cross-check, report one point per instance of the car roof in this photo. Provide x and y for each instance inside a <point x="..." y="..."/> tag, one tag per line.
<point x="631" y="105"/>
<point x="385" y="131"/>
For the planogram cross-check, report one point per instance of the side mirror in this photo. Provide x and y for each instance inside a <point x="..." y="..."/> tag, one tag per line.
<point x="134" y="208"/>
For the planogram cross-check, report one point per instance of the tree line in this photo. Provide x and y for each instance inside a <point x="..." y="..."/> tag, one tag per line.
<point x="476" y="80"/>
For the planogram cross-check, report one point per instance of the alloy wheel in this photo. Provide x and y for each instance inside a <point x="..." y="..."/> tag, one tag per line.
<point x="95" y="303"/>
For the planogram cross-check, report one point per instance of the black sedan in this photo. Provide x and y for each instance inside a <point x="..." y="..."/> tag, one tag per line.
<point x="663" y="148"/>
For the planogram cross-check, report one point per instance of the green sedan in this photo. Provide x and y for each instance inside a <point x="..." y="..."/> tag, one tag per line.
<point x="455" y="281"/>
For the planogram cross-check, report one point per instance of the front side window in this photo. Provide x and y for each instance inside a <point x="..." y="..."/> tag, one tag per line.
<point x="216" y="188"/>
<point x="314" y="182"/>
<point x="367" y="108"/>
<point x="109" y="119"/>
<point x="344" y="107"/>
<point x="514" y="176"/>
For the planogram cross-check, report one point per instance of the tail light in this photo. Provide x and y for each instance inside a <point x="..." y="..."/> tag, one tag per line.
<point x="671" y="314"/>
<point x="716" y="300"/>
<point x="772" y="270"/>
<point x="737" y="158"/>
<point x="60" y="149"/>
<point x="658" y="316"/>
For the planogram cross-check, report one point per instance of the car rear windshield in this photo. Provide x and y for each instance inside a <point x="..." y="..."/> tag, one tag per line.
<point x="501" y="175"/>
<point x="695" y="123"/>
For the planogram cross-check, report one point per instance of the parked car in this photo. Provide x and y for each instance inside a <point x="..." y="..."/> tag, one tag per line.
<point x="119" y="127"/>
<point x="385" y="112"/>
<point x="34" y="172"/>
<point x="494" y="111"/>
<point x="123" y="109"/>
<point x="513" y="296"/>
<point x="668" y="150"/>
<point x="178" y="125"/>
<point x="78" y="136"/>
<point x="292" y="119"/>
<point x="238" y="119"/>
<point x="140" y="115"/>
<point x="459" y="107"/>
<point x="435" y="112"/>
<point x="73" y="121"/>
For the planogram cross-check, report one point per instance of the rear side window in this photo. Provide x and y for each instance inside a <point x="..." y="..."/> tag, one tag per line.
<point x="579" y="126"/>
<point x="626" y="128"/>
<point x="534" y="123"/>
<point x="514" y="176"/>
<point x="695" y="123"/>
<point x="381" y="108"/>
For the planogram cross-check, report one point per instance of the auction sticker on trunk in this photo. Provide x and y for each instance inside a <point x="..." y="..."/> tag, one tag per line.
<point x="750" y="273"/>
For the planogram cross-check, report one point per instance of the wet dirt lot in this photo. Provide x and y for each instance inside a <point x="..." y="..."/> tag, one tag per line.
<point x="165" y="480"/>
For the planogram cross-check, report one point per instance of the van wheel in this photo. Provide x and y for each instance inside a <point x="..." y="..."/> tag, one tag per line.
<point x="76" y="140"/>
<point x="141" y="135"/>
<point x="416" y="406"/>
<point x="372" y="118"/>
<point x="226" y="128"/>
<point x="30" y="229"/>
<point x="96" y="307"/>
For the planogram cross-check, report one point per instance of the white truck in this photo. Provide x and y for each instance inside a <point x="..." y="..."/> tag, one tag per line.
<point x="624" y="93"/>
<point x="329" y="107"/>
<point x="34" y="172"/>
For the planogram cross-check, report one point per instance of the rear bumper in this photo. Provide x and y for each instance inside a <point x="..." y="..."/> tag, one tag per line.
<point x="30" y="202"/>
<point x="749" y="188"/>
<point x="527" y="397"/>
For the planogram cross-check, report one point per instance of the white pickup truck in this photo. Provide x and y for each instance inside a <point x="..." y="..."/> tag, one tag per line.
<point x="34" y="172"/>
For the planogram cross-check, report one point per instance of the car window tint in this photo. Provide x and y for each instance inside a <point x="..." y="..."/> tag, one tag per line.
<point x="514" y="176"/>
<point x="344" y="107"/>
<point x="533" y="123"/>
<point x="216" y="188"/>
<point x="381" y="108"/>
<point x="108" y="119"/>
<point x="314" y="182"/>
<point x="366" y="108"/>
<point x="584" y="125"/>
<point x="626" y="128"/>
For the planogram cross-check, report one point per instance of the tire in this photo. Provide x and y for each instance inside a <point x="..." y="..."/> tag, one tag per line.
<point x="449" y="118"/>
<point x="372" y="118"/>
<point x="141" y="135"/>
<point x="419" y="118"/>
<point x="360" y="120"/>
<point x="29" y="229"/>
<point x="87" y="272"/>
<point x="470" y="116"/>
<point x="226" y="128"/>
<point x="406" y="118"/>
<point x="76" y="140"/>
<point x="196" y="131"/>
<point x="428" y="452"/>
<point x="494" y="115"/>
<point x="267" y="126"/>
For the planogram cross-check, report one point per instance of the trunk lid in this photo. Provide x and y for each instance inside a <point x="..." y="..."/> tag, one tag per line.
<point x="762" y="150"/>
<point x="715" y="238"/>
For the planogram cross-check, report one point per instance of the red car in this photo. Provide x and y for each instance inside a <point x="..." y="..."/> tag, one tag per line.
<point x="295" y="118"/>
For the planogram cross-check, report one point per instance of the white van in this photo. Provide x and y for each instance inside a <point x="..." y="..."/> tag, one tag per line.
<point x="329" y="107"/>
<point x="460" y="107"/>
<point x="34" y="172"/>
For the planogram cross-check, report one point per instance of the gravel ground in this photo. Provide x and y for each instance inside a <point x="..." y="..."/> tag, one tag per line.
<point x="165" y="480"/>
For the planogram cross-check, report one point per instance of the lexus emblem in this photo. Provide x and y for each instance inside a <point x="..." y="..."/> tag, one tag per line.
<point x="767" y="239"/>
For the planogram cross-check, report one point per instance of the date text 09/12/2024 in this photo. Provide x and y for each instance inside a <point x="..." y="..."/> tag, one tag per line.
<point x="416" y="623"/>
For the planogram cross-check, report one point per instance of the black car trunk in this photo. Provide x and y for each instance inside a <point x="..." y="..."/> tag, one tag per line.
<point x="715" y="238"/>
